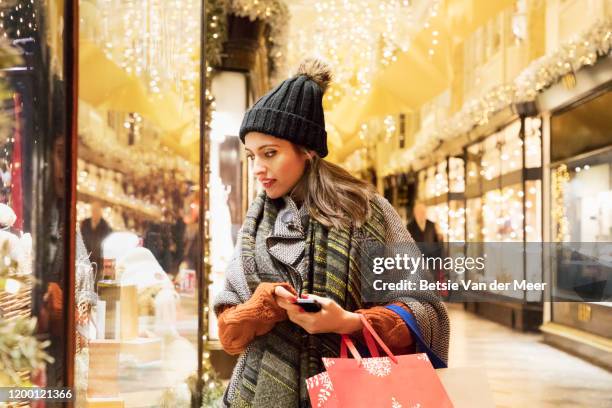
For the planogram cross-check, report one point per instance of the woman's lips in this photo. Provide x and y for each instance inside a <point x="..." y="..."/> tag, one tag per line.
<point x="267" y="183"/>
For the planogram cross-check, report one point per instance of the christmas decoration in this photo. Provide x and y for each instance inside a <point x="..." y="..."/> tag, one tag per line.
<point x="357" y="37"/>
<point x="20" y="350"/>
<point x="542" y="73"/>
<point x="560" y="178"/>
<point x="276" y="15"/>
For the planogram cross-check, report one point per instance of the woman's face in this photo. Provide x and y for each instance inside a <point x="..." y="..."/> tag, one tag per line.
<point x="277" y="163"/>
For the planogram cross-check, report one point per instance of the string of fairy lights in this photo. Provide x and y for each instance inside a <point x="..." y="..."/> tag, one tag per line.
<point x="18" y="19"/>
<point x="356" y="38"/>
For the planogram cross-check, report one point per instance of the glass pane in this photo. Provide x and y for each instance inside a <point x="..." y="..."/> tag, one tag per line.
<point x="491" y="157"/>
<point x="33" y="151"/>
<point x="533" y="142"/>
<point x="474" y="169"/>
<point x="431" y="186"/>
<point x="456" y="175"/>
<point x="422" y="185"/>
<point x="533" y="210"/>
<point x="510" y="223"/>
<point x="474" y="219"/>
<point x="456" y="226"/>
<point x="441" y="183"/>
<point x="439" y="215"/>
<point x="138" y="201"/>
<point x="492" y="221"/>
<point x="581" y="210"/>
<point x="512" y="148"/>
<point x="581" y="201"/>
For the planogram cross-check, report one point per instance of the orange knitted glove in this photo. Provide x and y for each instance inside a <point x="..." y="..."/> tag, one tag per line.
<point x="238" y="325"/>
<point x="390" y="327"/>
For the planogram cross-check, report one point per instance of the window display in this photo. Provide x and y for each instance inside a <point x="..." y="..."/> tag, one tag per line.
<point x="581" y="219"/>
<point x="456" y="215"/>
<point x="138" y="202"/>
<point x="581" y="212"/>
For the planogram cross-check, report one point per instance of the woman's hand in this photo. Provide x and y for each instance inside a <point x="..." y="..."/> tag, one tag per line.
<point x="331" y="319"/>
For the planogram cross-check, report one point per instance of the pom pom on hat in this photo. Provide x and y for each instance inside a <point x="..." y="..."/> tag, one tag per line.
<point x="317" y="70"/>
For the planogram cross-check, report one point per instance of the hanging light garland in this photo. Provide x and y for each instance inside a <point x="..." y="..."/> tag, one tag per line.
<point x="357" y="37"/>
<point x="156" y="40"/>
<point x="542" y="73"/>
<point x="560" y="178"/>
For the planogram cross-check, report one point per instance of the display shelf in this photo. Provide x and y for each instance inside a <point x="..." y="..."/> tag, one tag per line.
<point x="100" y="159"/>
<point x="133" y="208"/>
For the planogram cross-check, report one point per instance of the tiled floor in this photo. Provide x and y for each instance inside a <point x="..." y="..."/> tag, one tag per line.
<point x="522" y="370"/>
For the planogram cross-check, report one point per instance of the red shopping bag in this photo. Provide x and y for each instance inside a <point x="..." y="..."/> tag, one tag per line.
<point x="321" y="391"/>
<point x="407" y="381"/>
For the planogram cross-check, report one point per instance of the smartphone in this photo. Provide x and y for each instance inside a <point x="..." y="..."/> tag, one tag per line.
<point x="309" y="305"/>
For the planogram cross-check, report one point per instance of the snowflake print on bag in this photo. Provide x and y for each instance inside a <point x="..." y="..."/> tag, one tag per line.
<point x="321" y="380"/>
<point x="395" y="403"/>
<point x="327" y="362"/>
<point x="422" y="357"/>
<point x="378" y="366"/>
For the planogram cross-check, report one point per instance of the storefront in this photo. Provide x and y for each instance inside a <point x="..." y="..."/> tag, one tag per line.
<point x="580" y="216"/>
<point x="503" y="205"/>
<point x="486" y="187"/>
<point x="124" y="185"/>
<point x="113" y="178"/>
<point x="37" y="61"/>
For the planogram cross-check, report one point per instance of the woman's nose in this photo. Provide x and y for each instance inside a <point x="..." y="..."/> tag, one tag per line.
<point x="258" y="167"/>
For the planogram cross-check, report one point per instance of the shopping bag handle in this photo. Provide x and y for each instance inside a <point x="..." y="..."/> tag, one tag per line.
<point x="371" y="338"/>
<point x="347" y="342"/>
<point x="412" y="324"/>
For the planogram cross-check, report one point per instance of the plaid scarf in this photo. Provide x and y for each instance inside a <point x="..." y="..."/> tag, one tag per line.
<point x="279" y="362"/>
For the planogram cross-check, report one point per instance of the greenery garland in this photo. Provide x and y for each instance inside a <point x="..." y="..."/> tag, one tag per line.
<point x="275" y="14"/>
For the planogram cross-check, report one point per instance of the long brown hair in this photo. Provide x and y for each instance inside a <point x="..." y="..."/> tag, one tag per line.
<point x="333" y="196"/>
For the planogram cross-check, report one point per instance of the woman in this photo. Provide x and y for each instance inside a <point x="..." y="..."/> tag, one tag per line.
<point x="305" y="233"/>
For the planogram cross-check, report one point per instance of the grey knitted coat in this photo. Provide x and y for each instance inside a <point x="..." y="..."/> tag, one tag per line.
<point x="285" y="246"/>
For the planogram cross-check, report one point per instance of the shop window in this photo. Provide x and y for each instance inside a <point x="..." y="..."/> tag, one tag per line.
<point x="511" y="158"/>
<point x="456" y="227"/>
<point x="491" y="157"/>
<point x="473" y="168"/>
<point x="430" y="182"/>
<point x="533" y="210"/>
<point x="422" y="185"/>
<point x="474" y="219"/>
<point x="441" y="183"/>
<point x="138" y="202"/>
<point x="533" y="142"/>
<point x="456" y="221"/>
<point x="439" y="214"/>
<point x="581" y="200"/>
<point x="456" y="175"/>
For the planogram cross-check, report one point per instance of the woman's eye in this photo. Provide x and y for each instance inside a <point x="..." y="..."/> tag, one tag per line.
<point x="269" y="153"/>
<point x="250" y="157"/>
